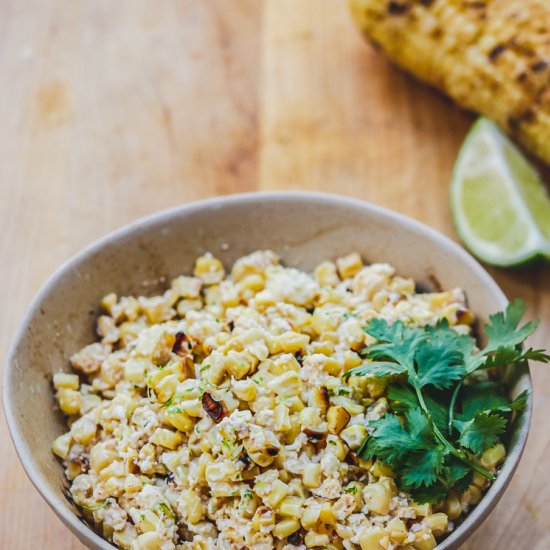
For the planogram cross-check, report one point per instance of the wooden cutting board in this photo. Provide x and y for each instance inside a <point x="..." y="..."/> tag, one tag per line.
<point x="113" y="110"/>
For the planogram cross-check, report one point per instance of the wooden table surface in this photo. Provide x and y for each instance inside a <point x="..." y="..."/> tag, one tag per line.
<point x="113" y="110"/>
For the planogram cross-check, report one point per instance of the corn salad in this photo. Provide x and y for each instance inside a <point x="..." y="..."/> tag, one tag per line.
<point x="216" y="416"/>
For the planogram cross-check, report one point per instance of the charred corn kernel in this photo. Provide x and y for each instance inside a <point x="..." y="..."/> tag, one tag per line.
<point x="209" y="269"/>
<point x="337" y="419"/>
<point x="326" y="319"/>
<point x="318" y="398"/>
<point x="314" y="540"/>
<point x="279" y="490"/>
<point x="397" y="530"/>
<point x="101" y="457"/>
<point x="471" y="497"/>
<point x="379" y="469"/>
<point x="310" y="417"/>
<point x="84" y="430"/>
<point x="180" y="420"/>
<point x="287" y="384"/>
<point x="310" y="516"/>
<point x="452" y="507"/>
<point x="281" y="418"/>
<point x="166" y="387"/>
<point x="437" y="523"/>
<point x="492" y="457"/>
<point x="349" y="265"/>
<point x="285" y="527"/>
<point x="312" y="475"/>
<point x="421" y="510"/>
<point x="69" y="400"/>
<point x="65" y="380"/>
<point x="263" y="520"/>
<point x="424" y="540"/>
<point x="166" y="438"/>
<point x="326" y="274"/>
<point x="108" y="301"/>
<point x="354" y="436"/>
<point x="351" y="406"/>
<point x="377" y="497"/>
<point x="373" y="538"/>
<point x="62" y="445"/>
<point x="149" y="541"/>
<point x="291" y="507"/>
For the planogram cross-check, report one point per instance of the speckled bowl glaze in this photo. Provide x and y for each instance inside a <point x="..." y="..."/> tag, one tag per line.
<point x="304" y="228"/>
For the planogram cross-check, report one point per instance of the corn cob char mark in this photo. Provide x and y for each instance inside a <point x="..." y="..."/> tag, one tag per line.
<point x="489" y="56"/>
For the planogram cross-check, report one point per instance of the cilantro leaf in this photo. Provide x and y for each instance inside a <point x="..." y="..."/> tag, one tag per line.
<point x="438" y="365"/>
<point x="481" y="432"/>
<point x="433" y="494"/>
<point x="402" y="398"/>
<point x="423" y="468"/>
<point x="503" y="331"/>
<point x="480" y="397"/>
<point x="378" y="369"/>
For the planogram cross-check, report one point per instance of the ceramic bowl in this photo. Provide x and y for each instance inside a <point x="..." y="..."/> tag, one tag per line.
<point x="304" y="228"/>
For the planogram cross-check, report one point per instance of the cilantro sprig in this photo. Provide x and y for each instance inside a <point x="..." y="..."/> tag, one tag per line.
<point x="441" y="418"/>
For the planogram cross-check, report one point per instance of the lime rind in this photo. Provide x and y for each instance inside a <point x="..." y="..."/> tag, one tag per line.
<point x="499" y="205"/>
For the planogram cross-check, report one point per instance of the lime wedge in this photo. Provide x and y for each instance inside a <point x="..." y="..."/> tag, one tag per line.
<point x="499" y="204"/>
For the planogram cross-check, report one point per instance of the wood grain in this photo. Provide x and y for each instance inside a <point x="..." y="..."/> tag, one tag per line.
<point x="114" y="110"/>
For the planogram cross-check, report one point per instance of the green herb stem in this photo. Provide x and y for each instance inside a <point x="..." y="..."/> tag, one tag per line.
<point x="461" y="455"/>
<point x="452" y="407"/>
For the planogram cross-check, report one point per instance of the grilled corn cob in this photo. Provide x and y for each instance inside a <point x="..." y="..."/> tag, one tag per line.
<point x="490" y="56"/>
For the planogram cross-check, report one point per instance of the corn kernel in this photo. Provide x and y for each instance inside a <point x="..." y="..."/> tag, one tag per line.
<point x="337" y="419"/>
<point x="62" y="445"/>
<point x="354" y="436"/>
<point x="377" y="497"/>
<point x="291" y="507"/>
<point x="287" y="384"/>
<point x="313" y="539"/>
<point x="281" y="420"/>
<point x="373" y="539"/>
<point x="397" y="530"/>
<point x="452" y="508"/>
<point x="437" y="523"/>
<point x="209" y="269"/>
<point x="69" y="400"/>
<point x="326" y="275"/>
<point x="166" y="438"/>
<point x="492" y="457"/>
<point x="312" y="475"/>
<point x="149" y="541"/>
<point x="285" y="527"/>
<point x="424" y="540"/>
<point x="279" y="490"/>
<point x="84" y="430"/>
<point x="349" y="265"/>
<point x="65" y="380"/>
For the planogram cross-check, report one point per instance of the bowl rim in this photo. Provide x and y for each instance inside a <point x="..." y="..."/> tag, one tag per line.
<point x="85" y="532"/>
